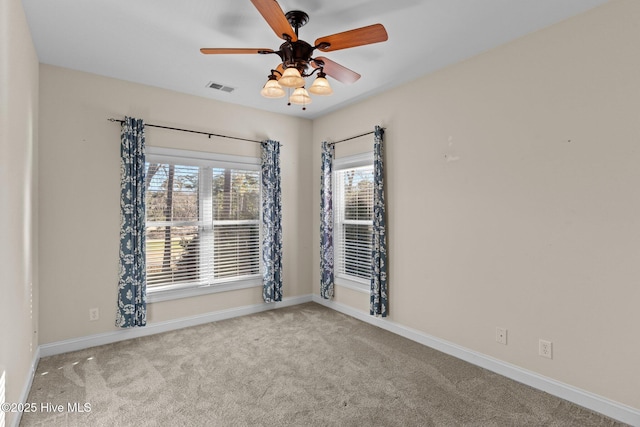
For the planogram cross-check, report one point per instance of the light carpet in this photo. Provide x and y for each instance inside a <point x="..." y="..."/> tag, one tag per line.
<point x="298" y="366"/>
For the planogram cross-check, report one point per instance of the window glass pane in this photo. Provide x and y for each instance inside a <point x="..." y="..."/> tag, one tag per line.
<point x="172" y="255"/>
<point x="172" y="192"/>
<point x="236" y="194"/>
<point x="358" y="194"/>
<point x="357" y="250"/>
<point x="236" y="250"/>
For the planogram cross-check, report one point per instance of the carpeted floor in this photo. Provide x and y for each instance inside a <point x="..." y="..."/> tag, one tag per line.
<point x="299" y="366"/>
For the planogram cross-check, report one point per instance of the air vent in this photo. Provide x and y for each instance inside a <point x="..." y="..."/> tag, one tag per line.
<point x="218" y="86"/>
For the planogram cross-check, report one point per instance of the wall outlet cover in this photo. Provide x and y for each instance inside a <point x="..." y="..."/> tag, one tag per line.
<point x="545" y="348"/>
<point x="501" y="335"/>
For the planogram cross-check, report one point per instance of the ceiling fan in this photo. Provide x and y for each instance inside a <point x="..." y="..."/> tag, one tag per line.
<point x="296" y="54"/>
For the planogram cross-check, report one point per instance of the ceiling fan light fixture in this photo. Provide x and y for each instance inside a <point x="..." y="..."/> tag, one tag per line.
<point x="321" y="86"/>
<point x="291" y="78"/>
<point x="300" y="96"/>
<point x="296" y="55"/>
<point x="272" y="89"/>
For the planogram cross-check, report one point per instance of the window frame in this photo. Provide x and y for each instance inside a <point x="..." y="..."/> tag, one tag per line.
<point x="209" y="160"/>
<point x="344" y="163"/>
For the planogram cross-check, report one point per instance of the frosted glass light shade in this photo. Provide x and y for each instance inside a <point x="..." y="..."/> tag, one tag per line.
<point x="321" y="86"/>
<point x="291" y="78"/>
<point x="272" y="89"/>
<point x="300" y="97"/>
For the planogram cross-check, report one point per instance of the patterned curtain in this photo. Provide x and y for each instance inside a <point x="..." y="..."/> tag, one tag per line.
<point x="271" y="222"/>
<point x="326" y="222"/>
<point x="379" y="303"/>
<point x="132" y="283"/>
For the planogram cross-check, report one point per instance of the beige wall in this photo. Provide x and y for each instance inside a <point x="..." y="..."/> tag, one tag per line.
<point x="513" y="189"/>
<point x="18" y="200"/>
<point x="80" y="190"/>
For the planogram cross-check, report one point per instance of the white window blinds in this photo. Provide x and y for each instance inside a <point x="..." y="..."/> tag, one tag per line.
<point x="353" y="221"/>
<point x="203" y="222"/>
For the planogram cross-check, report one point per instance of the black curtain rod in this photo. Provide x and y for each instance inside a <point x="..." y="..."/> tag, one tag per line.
<point x="354" y="137"/>
<point x="209" y="134"/>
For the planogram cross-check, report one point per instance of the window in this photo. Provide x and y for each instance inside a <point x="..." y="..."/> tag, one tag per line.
<point x="202" y="222"/>
<point x="353" y="220"/>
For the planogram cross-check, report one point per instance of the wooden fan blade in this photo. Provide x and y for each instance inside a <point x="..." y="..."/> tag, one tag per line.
<point x="273" y="14"/>
<point x="226" y="51"/>
<point x="337" y="71"/>
<point x="360" y="36"/>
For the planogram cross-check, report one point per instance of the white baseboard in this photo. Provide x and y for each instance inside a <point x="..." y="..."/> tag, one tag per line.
<point x="81" y="343"/>
<point x="610" y="408"/>
<point x="27" y="386"/>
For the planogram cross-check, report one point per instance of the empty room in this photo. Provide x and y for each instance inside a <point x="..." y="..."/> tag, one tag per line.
<point x="296" y="212"/>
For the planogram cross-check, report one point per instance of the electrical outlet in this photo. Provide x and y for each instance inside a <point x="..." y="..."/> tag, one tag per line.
<point x="545" y="348"/>
<point x="94" y="314"/>
<point x="501" y="335"/>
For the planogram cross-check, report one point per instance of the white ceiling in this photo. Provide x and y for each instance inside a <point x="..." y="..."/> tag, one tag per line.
<point x="157" y="42"/>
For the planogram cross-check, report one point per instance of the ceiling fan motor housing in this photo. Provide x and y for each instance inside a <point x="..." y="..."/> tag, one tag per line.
<point x="296" y="54"/>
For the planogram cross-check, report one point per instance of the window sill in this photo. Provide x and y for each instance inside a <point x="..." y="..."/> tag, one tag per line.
<point x="354" y="285"/>
<point x="197" y="290"/>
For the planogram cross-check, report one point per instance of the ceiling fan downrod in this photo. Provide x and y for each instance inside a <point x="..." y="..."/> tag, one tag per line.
<point x="297" y="19"/>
